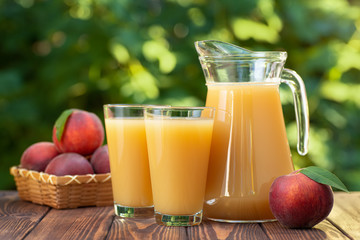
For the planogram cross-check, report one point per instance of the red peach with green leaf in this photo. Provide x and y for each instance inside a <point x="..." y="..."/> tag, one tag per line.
<point x="304" y="197"/>
<point x="78" y="131"/>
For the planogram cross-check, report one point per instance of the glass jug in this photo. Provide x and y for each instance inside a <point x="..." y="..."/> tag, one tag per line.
<point x="249" y="147"/>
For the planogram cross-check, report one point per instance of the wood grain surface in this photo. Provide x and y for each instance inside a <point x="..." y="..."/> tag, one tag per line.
<point x="25" y="220"/>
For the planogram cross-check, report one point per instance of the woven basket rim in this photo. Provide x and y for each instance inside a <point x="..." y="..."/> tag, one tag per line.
<point x="17" y="171"/>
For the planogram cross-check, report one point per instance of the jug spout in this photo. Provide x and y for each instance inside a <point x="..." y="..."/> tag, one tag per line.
<point x="218" y="48"/>
<point x="225" y="62"/>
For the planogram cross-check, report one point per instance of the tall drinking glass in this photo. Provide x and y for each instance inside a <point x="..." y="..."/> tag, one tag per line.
<point x="178" y="141"/>
<point x="129" y="165"/>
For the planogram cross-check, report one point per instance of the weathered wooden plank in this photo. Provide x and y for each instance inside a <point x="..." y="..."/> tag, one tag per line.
<point x="332" y="231"/>
<point x="144" y="228"/>
<point x="346" y="213"/>
<point x="323" y="230"/>
<point x="217" y="230"/>
<point x="79" y="223"/>
<point x="4" y="193"/>
<point x="18" y="218"/>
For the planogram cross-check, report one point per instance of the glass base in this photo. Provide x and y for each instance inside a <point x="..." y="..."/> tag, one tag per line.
<point x="241" y="221"/>
<point x="129" y="212"/>
<point x="178" y="220"/>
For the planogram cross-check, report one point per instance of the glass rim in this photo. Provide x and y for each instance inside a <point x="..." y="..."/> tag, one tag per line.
<point x="213" y="83"/>
<point x="181" y="108"/>
<point x="219" y="51"/>
<point x="119" y="105"/>
<point x="234" y="58"/>
<point x="265" y="55"/>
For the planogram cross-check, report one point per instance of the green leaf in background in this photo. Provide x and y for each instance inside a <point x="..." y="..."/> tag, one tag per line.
<point x="323" y="176"/>
<point x="61" y="122"/>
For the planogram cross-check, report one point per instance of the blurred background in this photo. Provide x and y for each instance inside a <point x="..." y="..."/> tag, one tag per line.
<point x="82" y="54"/>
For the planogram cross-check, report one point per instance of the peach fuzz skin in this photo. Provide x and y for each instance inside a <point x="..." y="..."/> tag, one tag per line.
<point x="298" y="201"/>
<point x="37" y="156"/>
<point x="100" y="160"/>
<point x="83" y="133"/>
<point x="69" y="164"/>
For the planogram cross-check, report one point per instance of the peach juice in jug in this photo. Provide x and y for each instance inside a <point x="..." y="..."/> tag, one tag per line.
<point x="249" y="146"/>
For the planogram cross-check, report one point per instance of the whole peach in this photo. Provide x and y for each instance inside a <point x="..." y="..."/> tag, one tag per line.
<point x="298" y="201"/>
<point x="79" y="132"/>
<point x="38" y="155"/>
<point x="100" y="160"/>
<point x="69" y="164"/>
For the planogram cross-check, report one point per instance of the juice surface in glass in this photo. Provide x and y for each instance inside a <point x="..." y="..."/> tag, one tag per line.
<point x="129" y="162"/>
<point x="249" y="150"/>
<point x="178" y="156"/>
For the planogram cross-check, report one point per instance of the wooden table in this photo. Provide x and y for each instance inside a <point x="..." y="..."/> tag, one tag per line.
<point x="25" y="220"/>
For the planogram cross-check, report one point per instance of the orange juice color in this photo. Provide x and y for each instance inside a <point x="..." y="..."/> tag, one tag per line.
<point x="129" y="164"/>
<point x="249" y="150"/>
<point x="178" y="156"/>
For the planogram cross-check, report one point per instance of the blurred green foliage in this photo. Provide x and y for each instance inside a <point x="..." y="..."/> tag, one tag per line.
<point x="65" y="54"/>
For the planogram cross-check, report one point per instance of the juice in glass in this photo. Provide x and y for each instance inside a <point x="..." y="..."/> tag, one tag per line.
<point x="178" y="155"/>
<point x="249" y="149"/>
<point x="129" y="164"/>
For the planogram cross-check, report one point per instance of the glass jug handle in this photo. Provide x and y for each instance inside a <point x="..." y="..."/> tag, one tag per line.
<point x="297" y="86"/>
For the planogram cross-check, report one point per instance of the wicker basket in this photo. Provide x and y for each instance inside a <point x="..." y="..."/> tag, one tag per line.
<point x="65" y="191"/>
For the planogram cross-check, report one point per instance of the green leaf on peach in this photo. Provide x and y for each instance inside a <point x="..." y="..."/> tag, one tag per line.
<point x="61" y="122"/>
<point x="323" y="176"/>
